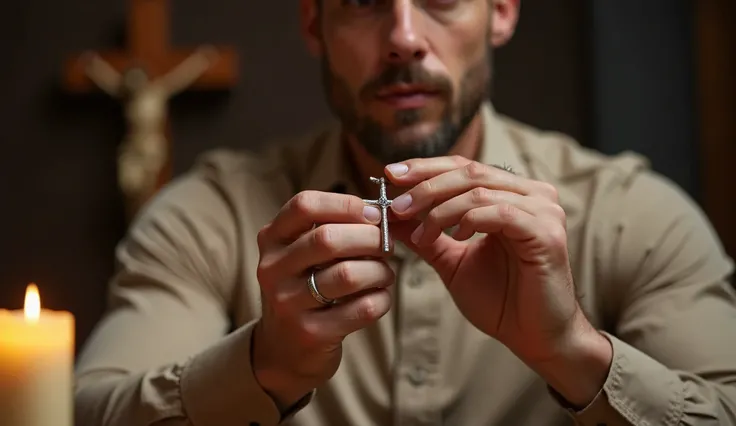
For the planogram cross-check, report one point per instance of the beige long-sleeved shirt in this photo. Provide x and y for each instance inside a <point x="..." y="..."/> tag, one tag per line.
<point x="174" y="346"/>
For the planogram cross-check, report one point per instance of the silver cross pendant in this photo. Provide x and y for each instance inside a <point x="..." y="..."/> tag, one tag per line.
<point x="382" y="202"/>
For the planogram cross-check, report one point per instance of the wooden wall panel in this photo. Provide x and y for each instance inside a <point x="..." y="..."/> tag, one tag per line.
<point x="716" y="64"/>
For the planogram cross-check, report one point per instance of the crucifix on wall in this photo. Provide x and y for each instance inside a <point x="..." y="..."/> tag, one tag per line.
<point x="144" y="78"/>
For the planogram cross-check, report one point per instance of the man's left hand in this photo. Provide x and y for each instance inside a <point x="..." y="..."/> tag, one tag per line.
<point x="513" y="281"/>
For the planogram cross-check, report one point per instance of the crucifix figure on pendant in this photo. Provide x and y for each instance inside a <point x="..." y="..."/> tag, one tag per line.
<point x="383" y="203"/>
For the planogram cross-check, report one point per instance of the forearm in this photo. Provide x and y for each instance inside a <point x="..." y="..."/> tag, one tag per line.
<point x="111" y="398"/>
<point x="581" y="370"/>
<point x="285" y="389"/>
<point x="216" y="386"/>
<point x="638" y="390"/>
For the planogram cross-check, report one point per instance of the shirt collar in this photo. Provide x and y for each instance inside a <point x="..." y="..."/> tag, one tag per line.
<point x="499" y="147"/>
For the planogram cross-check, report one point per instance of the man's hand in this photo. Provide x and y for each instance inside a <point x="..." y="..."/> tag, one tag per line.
<point x="297" y="345"/>
<point x="514" y="283"/>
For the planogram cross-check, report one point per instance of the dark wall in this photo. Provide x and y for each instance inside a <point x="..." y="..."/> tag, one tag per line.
<point x="542" y="77"/>
<point x="643" y="76"/>
<point x="61" y="210"/>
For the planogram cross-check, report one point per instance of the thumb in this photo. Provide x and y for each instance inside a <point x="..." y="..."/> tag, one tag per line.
<point x="443" y="254"/>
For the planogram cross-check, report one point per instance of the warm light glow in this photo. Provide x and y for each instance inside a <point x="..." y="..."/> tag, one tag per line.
<point x="32" y="307"/>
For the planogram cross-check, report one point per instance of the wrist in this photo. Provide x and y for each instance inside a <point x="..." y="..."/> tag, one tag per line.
<point x="281" y="386"/>
<point x="580" y="370"/>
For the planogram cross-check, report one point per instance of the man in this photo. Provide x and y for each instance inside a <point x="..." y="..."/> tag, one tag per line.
<point x="528" y="281"/>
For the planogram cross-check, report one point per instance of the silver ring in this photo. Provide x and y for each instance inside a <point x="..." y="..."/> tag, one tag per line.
<point x="312" y="284"/>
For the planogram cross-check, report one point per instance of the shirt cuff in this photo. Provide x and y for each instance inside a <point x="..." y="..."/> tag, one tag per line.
<point x="218" y="387"/>
<point x="638" y="390"/>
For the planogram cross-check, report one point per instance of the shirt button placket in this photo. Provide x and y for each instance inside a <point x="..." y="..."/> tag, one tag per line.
<point x="420" y="303"/>
<point x="417" y="375"/>
<point x="417" y="279"/>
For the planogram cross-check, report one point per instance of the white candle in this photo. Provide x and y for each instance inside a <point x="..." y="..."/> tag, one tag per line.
<point x="36" y="365"/>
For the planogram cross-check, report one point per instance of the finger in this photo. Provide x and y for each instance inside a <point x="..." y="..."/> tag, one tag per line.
<point x="410" y="172"/>
<point x="346" y="279"/>
<point x="442" y="254"/>
<point x="515" y="224"/>
<point x="323" y="245"/>
<point x="441" y="188"/>
<point x="529" y="236"/>
<point x="451" y="212"/>
<point x="425" y="168"/>
<point x="308" y="208"/>
<point x="340" y="320"/>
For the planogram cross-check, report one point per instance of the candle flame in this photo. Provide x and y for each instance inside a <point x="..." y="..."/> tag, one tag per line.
<point x="32" y="309"/>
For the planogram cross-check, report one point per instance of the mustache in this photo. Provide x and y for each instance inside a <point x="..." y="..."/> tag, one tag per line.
<point x="406" y="74"/>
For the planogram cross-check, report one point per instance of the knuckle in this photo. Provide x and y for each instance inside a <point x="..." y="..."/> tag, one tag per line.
<point x="323" y="238"/>
<point x="264" y="275"/>
<point x="475" y="170"/>
<point x="459" y="160"/>
<point x="368" y="309"/>
<point x="280" y="300"/>
<point x="507" y="212"/>
<point x="354" y="207"/>
<point x="468" y="219"/>
<point x="262" y="236"/>
<point x="482" y="196"/>
<point x="434" y="217"/>
<point x="346" y="276"/>
<point x="310" y="334"/>
<point x="557" y="237"/>
<point x="426" y="187"/>
<point x="559" y="212"/>
<point x="303" y="202"/>
<point x="550" y="191"/>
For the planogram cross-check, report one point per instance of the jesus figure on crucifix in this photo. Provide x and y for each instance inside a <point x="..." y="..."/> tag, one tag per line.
<point x="143" y="152"/>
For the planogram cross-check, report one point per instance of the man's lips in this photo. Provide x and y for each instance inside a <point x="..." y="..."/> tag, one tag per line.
<point x="407" y="96"/>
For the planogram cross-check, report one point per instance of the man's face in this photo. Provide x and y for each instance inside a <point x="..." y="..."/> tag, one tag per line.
<point x="405" y="77"/>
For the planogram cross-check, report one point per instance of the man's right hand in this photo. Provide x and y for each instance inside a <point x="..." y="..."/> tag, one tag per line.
<point x="297" y="344"/>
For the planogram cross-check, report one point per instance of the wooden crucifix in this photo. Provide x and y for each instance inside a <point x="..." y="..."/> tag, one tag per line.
<point x="144" y="78"/>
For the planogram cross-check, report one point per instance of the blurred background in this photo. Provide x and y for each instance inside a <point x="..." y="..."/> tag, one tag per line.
<point x="657" y="77"/>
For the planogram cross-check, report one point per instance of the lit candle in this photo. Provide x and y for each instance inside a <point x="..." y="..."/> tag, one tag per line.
<point x="36" y="365"/>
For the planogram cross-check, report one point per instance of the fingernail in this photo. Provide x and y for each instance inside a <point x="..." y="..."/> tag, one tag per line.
<point x="372" y="214"/>
<point x="402" y="203"/>
<point x="417" y="234"/>
<point x="398" y="169"/>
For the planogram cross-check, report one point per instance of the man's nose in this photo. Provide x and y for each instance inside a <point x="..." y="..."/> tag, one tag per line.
<point x="405" y="41"/>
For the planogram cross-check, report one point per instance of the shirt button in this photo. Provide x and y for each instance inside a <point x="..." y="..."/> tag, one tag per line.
<point x="417" y="375"/>
<point x="416" y="280"/>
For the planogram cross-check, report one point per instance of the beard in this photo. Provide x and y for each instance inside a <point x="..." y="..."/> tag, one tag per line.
<point x="386" y="144"/>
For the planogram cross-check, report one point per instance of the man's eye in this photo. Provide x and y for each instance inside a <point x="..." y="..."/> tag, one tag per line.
<point x="358" y="3"/>
<point x="363" y="3"/>
<point x="443" y="3"/>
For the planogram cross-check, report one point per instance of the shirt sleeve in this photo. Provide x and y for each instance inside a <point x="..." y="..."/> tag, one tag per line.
<point x="674" y="315"/>
<point x="163" y="353"/>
